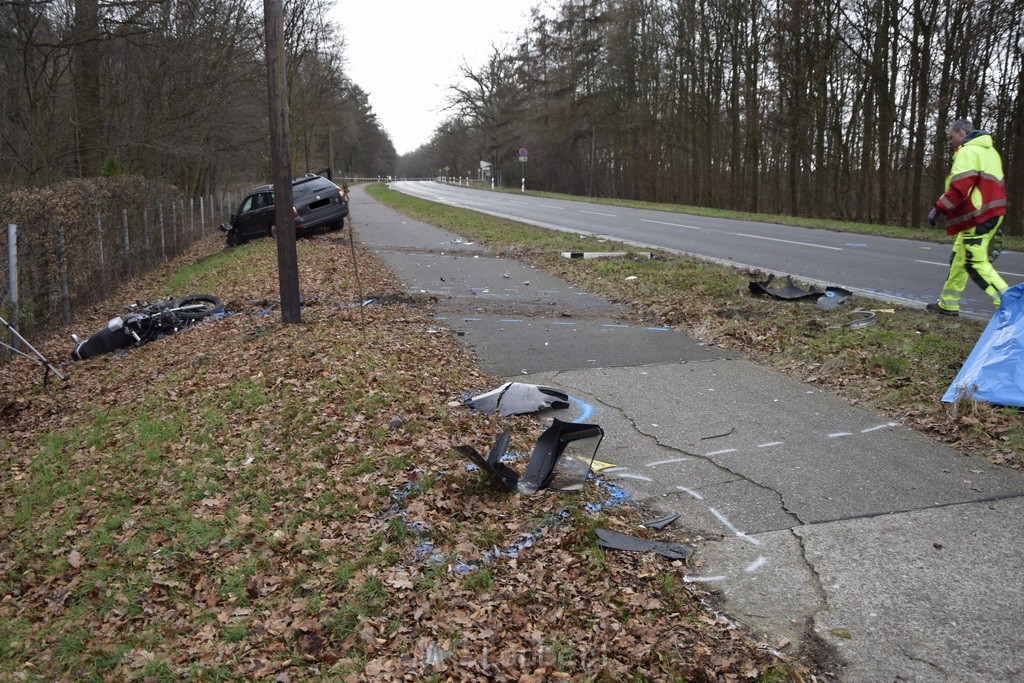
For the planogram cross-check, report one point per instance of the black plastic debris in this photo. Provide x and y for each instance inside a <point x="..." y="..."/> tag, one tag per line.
<point x="660" y="523"/>
<point x="517" y="398"/>
<point x="561" y="458"/>
<point x="505" y="475"/>
<point x="830" y="298"/>
<point x="617" y="541"/>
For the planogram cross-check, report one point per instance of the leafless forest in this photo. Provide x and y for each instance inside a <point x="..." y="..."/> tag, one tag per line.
<point x="833" y="108"/>
<point x="173" y="89"/>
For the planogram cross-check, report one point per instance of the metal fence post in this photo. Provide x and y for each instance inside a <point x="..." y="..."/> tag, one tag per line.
<point x="202" y="215"/>
<point x="127" y="243"/>
<point x="145" y="238"/>
<point x="12" y="288"/>
<point x="192" y="216"/>
<point x="163" y="239"/>
<point x="62" y="270"/>
<point x="102" y="258"/>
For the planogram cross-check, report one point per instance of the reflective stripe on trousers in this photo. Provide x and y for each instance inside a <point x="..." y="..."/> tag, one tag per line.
<point x="970" y="260"/>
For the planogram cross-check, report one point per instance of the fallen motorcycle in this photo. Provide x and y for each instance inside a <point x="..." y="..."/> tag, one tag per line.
<point x="147" y="321"/>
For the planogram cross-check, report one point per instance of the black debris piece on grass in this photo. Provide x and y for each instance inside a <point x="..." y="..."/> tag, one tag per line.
<point x="830" y="298"/>
<point x="617" y="541"/>
<point x="660" y="523"/>
<point x="561" y="458"/>
<point x="517" y="398"/>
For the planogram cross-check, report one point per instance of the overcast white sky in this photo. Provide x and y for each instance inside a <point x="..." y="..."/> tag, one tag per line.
<point x="405" y="53"/>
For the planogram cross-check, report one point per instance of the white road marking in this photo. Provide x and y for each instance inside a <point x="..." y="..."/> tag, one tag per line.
<point x="674" y="225"/>
<point x="598" y="213"/>
<point x="739" y="534"/>
<point x="691" y="492"/>
<point x="875" y="429"/>
<point x="756" y="564"/>
<point x="666" y="462"/>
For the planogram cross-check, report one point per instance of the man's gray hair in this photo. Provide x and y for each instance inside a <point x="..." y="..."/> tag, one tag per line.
<point x="962" y="124"/>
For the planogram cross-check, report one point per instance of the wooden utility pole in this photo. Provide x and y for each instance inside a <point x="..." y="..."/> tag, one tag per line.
<point x="284" y="218"/>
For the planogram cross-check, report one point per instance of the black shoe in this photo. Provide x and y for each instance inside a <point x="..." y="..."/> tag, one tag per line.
<point x="935" y="308"/>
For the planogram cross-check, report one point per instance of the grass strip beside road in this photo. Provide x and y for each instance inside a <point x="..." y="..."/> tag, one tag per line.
<point x="246" y="500"/>
<point x="899" y="367"/>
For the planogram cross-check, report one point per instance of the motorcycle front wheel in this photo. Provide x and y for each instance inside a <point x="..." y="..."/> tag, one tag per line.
<point x="197" y="306"/>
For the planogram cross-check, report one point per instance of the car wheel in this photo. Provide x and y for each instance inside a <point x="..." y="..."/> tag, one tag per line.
<point x="234" y="240"/>
<point x="273" y="231"/>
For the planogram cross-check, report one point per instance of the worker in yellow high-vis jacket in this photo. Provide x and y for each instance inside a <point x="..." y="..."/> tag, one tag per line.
<point x="974" y="204"/>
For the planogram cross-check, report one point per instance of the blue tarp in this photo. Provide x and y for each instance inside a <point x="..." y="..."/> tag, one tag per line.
<point x="994" y="372"/>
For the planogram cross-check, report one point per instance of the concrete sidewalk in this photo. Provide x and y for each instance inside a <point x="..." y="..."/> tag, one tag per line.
<point x="883" y="554"/>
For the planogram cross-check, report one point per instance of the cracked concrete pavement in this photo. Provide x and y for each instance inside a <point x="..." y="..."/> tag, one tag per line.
<point x="880" y="553"/>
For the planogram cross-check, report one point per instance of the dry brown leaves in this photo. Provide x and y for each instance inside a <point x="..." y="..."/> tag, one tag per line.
<point x="246" y="500"/>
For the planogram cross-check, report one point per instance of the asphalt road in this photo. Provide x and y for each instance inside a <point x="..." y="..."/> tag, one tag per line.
<point x="905" y="271"/>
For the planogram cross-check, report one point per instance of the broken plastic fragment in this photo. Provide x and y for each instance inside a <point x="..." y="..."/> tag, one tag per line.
<point x="830" y="298"/>
<point x="660" y="524"/>
<point x="492" y="464"/>
<point x="516" y="398"/>
<point x="617" y="541"/>
<point x="547" y="468"/>
<point x="860" y="319"/>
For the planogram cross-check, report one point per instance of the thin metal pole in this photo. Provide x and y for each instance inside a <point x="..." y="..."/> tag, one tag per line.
<point x="12" y="288"/>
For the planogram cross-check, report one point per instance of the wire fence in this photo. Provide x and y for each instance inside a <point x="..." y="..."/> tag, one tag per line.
<point x="70" y="246"/>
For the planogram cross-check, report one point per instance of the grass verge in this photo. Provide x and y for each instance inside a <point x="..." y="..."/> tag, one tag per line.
<point x="245" y="500"/>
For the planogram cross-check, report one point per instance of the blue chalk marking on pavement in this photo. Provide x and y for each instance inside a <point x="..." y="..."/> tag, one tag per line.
<point x="854" y="244"/>
<point x="471" y="320"/>
<point x="586" y="410"/>
<point x="511" y="320"/>
<point x="440" y="317"/>
<point x="657" y="329"/>
<point x="614" y="325"/>
<point x="562" y="323"/>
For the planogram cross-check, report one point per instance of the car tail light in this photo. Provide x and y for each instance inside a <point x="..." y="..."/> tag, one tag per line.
<point x="295" y="211"/>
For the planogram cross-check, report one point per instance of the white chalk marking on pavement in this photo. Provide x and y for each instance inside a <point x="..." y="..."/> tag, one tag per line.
<point x="721" y="452"/>
<point x="724" y="520"/>
<point x="770" y="444"/>
<point x="704" y="579"/>
<point x="665" y="462"/>
<point x="691" y="492"/>
<point x="876" y="428"/>
<point x="627" y="475"/>
<point x="836" y="435"/>
<point x="756" y="564"/>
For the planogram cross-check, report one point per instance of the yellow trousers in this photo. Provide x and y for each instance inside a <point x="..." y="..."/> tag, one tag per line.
<point x="970" y="260"/>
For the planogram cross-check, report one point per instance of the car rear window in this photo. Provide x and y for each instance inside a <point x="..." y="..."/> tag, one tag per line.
<point x="311" y="186"/>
